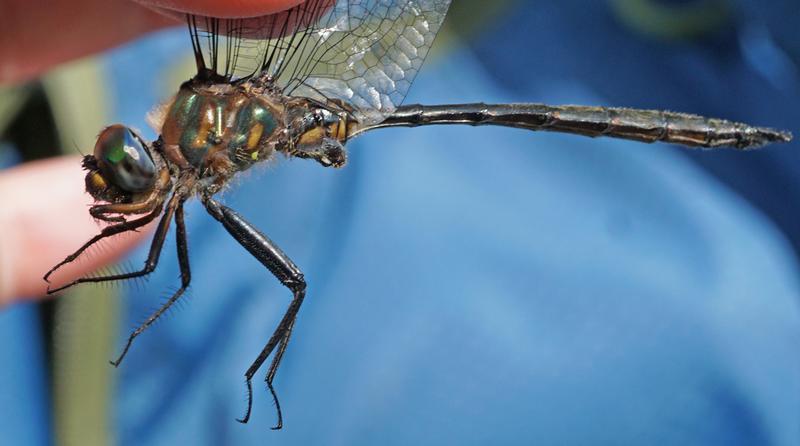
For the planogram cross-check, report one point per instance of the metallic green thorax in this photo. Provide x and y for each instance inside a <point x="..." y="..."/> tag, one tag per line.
<point x="249" y="118"/>
<point x="203" y="124"/>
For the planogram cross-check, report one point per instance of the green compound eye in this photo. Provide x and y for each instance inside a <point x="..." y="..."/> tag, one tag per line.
<point x="124" y="160"/>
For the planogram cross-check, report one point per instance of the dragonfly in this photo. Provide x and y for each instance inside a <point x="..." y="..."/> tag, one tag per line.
<point x="301" y="84"/>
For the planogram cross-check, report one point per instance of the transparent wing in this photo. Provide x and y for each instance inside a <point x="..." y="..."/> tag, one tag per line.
<point x="365" y="53"/>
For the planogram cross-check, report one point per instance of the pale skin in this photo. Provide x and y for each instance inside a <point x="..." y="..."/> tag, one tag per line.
<point x="33" y="236"/>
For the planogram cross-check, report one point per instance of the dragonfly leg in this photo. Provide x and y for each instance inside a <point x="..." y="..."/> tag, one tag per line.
<point x="152" y="257"/>
<point x="113" y="212"/>
<point x="108" y="231"/>
<point x="279" y="264"/>
<point x="273" y="369"/>
<point x="186" y="278"/>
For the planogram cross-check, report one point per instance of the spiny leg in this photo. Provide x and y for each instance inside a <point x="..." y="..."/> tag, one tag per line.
<point x="273" y="369"/>
<point x="152" y="257"/>
<point x="280" y="339"/>
<point x="108" y="231"/>
<point x="186" y="278"/>
<point x="263" y="249"/>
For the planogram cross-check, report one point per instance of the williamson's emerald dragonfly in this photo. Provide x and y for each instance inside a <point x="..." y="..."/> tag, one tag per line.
<point x="301" y="83"/>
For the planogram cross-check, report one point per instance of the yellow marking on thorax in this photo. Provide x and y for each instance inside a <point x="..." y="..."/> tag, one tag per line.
<point x="255" y="135"/>
<point x="341" y="129"/>
<point x="218" y="109"/>
<point x="205" y="127"/>
<point x="312" y="136"/>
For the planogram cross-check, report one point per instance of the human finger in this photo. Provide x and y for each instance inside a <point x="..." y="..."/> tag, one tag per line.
<point x="44" y="218"/>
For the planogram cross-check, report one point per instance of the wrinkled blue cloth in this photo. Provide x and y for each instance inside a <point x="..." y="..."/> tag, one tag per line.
<point x="485" y="286"/>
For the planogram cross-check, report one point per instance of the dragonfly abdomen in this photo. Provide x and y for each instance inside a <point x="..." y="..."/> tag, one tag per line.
<point x="639" y="125"/>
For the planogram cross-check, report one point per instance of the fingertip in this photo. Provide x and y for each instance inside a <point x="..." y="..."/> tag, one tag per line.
<point x="220" y="8"/>
<point x="34" y="38"/>
<point x="44" y="218"/>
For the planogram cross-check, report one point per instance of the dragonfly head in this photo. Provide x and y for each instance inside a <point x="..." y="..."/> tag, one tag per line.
<point x="120" y="167"/>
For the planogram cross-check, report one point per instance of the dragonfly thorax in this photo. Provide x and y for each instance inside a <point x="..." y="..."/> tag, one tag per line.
<point x="220" y="129"/>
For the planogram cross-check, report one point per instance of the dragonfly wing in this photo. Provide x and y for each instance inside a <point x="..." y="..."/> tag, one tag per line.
<point x="365" y="53"/>
<point x="373" y="54"/>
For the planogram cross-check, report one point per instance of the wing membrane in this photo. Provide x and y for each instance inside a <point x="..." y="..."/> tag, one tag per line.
<point x="363" y="52"/>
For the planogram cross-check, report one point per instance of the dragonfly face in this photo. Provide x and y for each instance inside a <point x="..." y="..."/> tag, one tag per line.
<point x="121" y="157"/>
<point x="122" y="166"/>
<point x="345" y="69"/>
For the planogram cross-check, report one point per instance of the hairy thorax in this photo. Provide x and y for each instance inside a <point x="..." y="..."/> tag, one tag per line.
<point x="221" y="129"/>
<point x="216" y="130"/>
